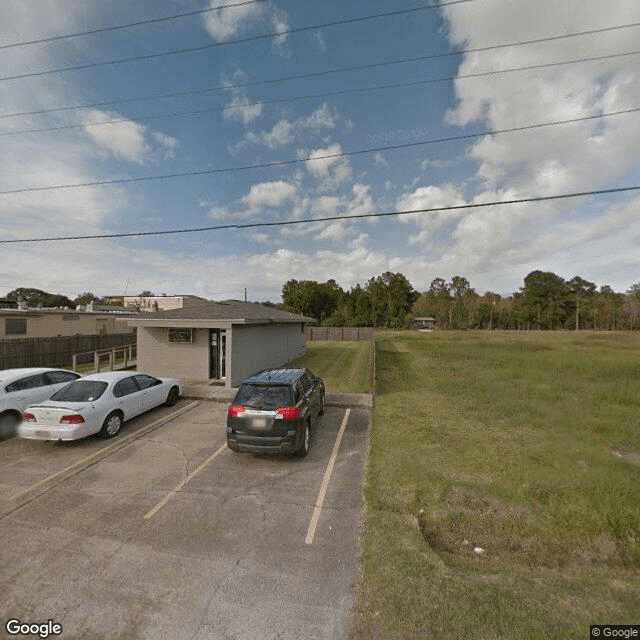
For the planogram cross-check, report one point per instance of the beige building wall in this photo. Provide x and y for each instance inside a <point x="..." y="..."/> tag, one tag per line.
<point x="256" y="347"/>
<point x="159" y="357"/>
<point x="46" y="324"/>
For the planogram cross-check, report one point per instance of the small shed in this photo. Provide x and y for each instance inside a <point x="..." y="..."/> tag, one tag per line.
<point x="225" y="341"/>
<point x="423" y="323"/>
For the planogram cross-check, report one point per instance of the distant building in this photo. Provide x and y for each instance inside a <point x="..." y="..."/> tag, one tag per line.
<point x="5" y="303"/>
<point x="161" y="303"/>
<point x="423" y="323"/>
<point x="51" y="323"/>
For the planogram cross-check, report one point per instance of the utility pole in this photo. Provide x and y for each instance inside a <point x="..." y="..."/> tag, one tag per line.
<point x="245" y="294"/>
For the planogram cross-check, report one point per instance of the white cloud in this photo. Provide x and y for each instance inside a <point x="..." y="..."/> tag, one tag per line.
<point x="168" y="143"/>
<point x="546" y="161"/>
<point x="318" y="39"/>
<point x="379" y="159"/>
<point x="285" y="132"/>
<point x="269" y="194"/>
<point x="239" y="97"/>
<point x="329" y="166"/>
<point x="280" y="23"/>
<point x="429" y="198"/>
<point x="555" y="158"/>
<point x="126" y="139"/>
<point x="230" y="21"/>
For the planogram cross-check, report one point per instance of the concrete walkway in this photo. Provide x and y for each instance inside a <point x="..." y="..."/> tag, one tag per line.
<point x="226" y="394"/>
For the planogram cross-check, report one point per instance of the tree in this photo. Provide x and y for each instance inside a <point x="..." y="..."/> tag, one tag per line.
<point x="311" y="298"/>
<point x="580" y="304"/>
<point x="37" y="297"/>
<point x="545" y="299"/>
<point x="85" y="298"/>
<point x="391" y="298"/>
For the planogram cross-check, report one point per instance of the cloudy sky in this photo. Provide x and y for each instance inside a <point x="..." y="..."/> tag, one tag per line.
<point x="175" y="135"/>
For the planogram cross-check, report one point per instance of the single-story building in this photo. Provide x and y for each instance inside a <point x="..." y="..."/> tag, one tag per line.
<point x="225" y="341"/>
<point x="51" y="323"/>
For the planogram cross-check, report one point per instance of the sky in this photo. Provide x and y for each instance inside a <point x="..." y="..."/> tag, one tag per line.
<point x="322" y="110"/>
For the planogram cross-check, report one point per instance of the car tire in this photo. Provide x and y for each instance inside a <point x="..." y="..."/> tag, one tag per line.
<point x="321" y="411"/>
<point x="306" y="436"/>
<point x="111" y="425"/>
<point x="9" y="422"/>
<point x="172" y="397"/>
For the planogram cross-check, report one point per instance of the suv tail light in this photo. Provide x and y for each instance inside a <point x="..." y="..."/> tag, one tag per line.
<point x="29" y="417"/>
<point x="72" y="419"/>
<point x="287" y="413"/>
<point x="235" y="410"/>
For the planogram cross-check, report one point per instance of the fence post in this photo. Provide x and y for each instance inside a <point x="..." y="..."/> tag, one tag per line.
<point x="74" y="362"/>
<point x="96" y="361"/>
<point x="112" y="359"/>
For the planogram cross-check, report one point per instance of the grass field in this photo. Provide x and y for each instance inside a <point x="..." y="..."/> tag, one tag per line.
<point x="344" y="366"/>
<point x="524" y="446"/>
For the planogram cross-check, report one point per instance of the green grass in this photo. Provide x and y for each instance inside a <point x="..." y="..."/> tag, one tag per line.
<point x="524" y="444"/>
<point x="344" y="366"/>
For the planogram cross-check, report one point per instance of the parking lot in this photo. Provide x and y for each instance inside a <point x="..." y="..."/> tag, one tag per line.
<point x="163" y="532"/>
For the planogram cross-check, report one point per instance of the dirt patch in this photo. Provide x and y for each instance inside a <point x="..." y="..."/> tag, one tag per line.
<point x="473" y="500"/>
<point x="631" y="455"/>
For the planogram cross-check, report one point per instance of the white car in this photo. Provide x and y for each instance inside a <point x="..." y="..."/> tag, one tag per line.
<point x="21" y="387"/>
<point x="98" y="403"/>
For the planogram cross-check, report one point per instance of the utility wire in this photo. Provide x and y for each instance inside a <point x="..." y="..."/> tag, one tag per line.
<point x="324" y="94"/>
<point x="250" y="225"/>
<point x="139" y="23"/>
<point x="228" y="87"/>
<point x="344" y="154"/>
<point x="213" y="45"/>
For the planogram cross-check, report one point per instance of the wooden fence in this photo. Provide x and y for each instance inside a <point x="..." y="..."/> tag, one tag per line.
<point x="56" y="352"/>
<point x="339" y="333"/>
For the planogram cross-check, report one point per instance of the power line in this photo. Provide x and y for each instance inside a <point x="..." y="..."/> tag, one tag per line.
<point x="213" y="45"/>
<point x="139" y="23"/>
<point x="344" y="154"/>
<point x="324" y="94"/>
<point x="250" y="225"/>
<point x="227" y="87"/>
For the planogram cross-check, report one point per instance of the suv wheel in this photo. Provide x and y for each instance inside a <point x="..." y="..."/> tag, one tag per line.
<point x="304" y="449"/>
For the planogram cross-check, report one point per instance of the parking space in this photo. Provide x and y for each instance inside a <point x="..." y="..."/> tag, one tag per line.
<point x="172" y="535"/>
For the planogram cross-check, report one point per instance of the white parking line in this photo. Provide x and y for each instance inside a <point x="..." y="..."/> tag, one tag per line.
<point x="311" y="532"/>
<point x="118" y="444"/>
<point x="180" y="485"/>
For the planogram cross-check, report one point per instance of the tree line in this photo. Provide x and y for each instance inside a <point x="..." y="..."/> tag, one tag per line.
<point x="545" y="301"/>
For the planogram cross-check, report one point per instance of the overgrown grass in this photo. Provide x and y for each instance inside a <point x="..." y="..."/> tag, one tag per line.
<point x="343" y="365"/>
<point x="525" y="445"/>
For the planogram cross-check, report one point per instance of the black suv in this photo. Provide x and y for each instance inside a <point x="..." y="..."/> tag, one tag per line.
<point x="273" y="411"/>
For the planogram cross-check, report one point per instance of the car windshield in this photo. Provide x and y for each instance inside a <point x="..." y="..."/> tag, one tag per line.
<point x="80" y="391"/>
<point x="256" y="396"/>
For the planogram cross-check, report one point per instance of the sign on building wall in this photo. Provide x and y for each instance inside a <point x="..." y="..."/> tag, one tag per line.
<point x="180" y="335"/>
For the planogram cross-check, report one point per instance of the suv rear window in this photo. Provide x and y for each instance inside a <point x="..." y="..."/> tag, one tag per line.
<point x="259" y="396"/>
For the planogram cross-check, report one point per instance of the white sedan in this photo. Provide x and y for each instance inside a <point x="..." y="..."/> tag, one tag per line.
<point x="20" y="388"/>
<point x="98" y="403"/>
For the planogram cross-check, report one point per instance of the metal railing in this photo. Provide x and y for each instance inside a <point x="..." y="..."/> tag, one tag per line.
<point x="105" y="359"/>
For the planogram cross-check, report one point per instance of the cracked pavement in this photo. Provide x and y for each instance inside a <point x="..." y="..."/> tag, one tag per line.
<point x="224" y="558"/>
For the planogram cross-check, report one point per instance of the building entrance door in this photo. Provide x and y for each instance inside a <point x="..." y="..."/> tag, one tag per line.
<point x="217" y="354"/>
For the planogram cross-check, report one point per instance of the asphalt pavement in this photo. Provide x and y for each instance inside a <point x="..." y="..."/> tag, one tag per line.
<point x="163" y="532"/>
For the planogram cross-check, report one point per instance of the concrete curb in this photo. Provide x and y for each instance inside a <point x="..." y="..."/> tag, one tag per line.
<point x="225" y="395"/>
